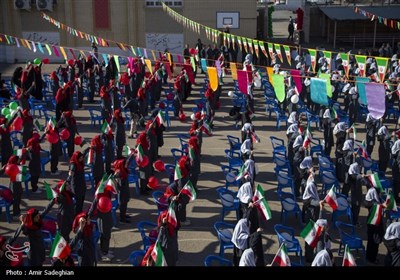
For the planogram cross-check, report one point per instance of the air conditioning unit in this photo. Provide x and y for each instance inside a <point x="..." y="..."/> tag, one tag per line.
<point x="44" y="5"/>
<point x="22" y="4"/>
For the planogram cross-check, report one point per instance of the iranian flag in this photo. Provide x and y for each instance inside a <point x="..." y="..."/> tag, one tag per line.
<point x="206" y="128"/>
<point x="382" y="66"/>
<point x="375" y="182"/>
<point x="354" y="132"/>
<point x="110" y="185"/>
<point x="177" y="172"/>
<point x="271" y="50"/>
<point x="261" y="203"/>
<point x="158" y="255"/>
<point x="51" y="124"/>
<point x="241" y="173"/>
<point x="139" y="153"/>
<point x="189" y="190"/>
<point x="362" y="150"/>
<point x="192" y="154"/>
<point x="345" y="63"/>
<point x="250" y="44"/>
<point x="287" y="52"/>
<point x="361" y="61"/>
<point x="390" y="202"/>
<point x="126" y="151"/>
<point x="90" y="156"/>
<point x="313" y="55"/>
<point x="311" y="233"/>
<point x="255" y="43"/>
<point x="50" y="192"/>
<point x="278" y="51"/>
<point x="282" y="258"/>
<point x="60" y="248"/>
<point x="105" y="128"/>
<point x="348" y="259"/>
<point x="171" y="218"/>
<point x="21" y="176"/>
<point x="334" y="114"/>
<point x="19" y="152"/>
<point x="331" y="198"/>
<point x="262" y="47"/>
<point x="160" y="118"/>
<point x="328" y="57"/>
<point x="102" y="184"/>
<point x="37" y="125"/>
<point x="307" y="138"/>
<point x="375" y="217"/>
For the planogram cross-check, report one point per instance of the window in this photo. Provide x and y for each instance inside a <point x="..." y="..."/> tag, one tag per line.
<point x="157" y="3"/>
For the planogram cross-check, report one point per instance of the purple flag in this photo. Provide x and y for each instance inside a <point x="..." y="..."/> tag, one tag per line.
<point x="218" y="66"/>
<point x="296" y="75"/>
<point x="242" y="81"/>
<point x="375" y="99"/>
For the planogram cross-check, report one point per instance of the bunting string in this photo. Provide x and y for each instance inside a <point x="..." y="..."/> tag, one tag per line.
<point x="388" y="22"/>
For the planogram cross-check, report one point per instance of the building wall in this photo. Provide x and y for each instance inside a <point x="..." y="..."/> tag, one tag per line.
<point x="131" y="20"/>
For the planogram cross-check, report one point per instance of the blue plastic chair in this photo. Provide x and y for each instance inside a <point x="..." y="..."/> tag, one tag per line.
<point x="145" y="228"/>
<point x="115" y="204"/>
<point x="349" y="237"/>
<point x="136" y="257"/>
<point x="285" y="180"/>
<point x="44" y="159"/>
<point x="343" y="209"/>
<point x="328" y="179"/>
<point x="234" y="142"/>
<point x="281" y="161"/>
<point x="234" y="158"/>
<point x="230" y="171"/>
<point x="229" y="202"/>
<point x="278" y="145"/>
<point x="183" y="140"/>
<point x="286" y="234"/>
<point x="316" y="147"/>
<point x="6" y="205"/>
<point x="212" y="260"/>
<point x="170" y="169"/>
<point x="89" y="176"/>
<point x="16" y="138"/>
<point x="48" y="237"/>
<point x="177" y="154"/>
<point x="289" y="206"/>
<point x="162" y="205"/>
<point x="133" y="178"/>
<point x="95" y="116"/>
<point x="224" y="232"/>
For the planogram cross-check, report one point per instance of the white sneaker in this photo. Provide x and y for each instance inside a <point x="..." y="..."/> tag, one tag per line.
<point x="107" y="258"/>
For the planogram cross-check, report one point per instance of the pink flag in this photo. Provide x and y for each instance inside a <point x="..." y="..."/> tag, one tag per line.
<point x="73" y="54"/>
<point x="189" y="72"/>
<point x="297" y="79"/>
<point x="375" y="99"/>
<point x="56" y="51"/>
<point x="249" y="74"/>
<point x="242" y="80"/>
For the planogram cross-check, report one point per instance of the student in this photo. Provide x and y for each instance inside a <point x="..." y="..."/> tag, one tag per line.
<point x="120" y="140"/>
<point x="323" y="258"/>
<point x="65" y="215"/>
<point x="144" y="171"/>
<point x="121" y="167"/>
<point x="195" y="161"/>
<point x="328" y="132"/>
<point x="392" y="243"/>
<point x="247" y="209"/>
<point x="168" y="239"/>
<point x="83" y="228"/>
<point x="27" y="128"/>
<point x="69" y="122"/>
<point x="98" y="166"/>
<point x="383" y="136"/>
<point x="174" y="195"/>
<point x="15" y="187"/>
<point x="340" y="131"/>
<point x="372" y="126"/>
<point x="348" y="158"/>
<point x="395" y="150"/>
<point x="32" y="223"/>
<point x="34" y="149"/>
<point x="240" y="237"/>
<point x="374" y="232"/>
<point x="355" y="181"/>
<point x="77" y="175"/>
<point x="5" y="145"/>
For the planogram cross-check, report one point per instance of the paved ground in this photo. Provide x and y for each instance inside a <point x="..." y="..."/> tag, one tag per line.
<point x="199" y="239"/>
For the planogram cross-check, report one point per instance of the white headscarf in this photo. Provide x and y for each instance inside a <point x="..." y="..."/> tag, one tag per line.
<point x="240" y="234"/>
<point x="383" y="131"/>
<point x="292" y="118"/>
<point x="298" y="141"/>
<point x="248" y="258"/>
<point x="348" y="145"/>
<point x="311" y="191"/>
<point x="245" y="193"/>
<point x="396" y="147"/>
<point x="292" y="128"/>
<point x="247" y="127"/>
<point x="327" y="114"/>
<point x="322" y="259"/>
<point x="372" y="195"/>
<point x="250" y="167"/>
<point x="341" y="126"/>
<point x="393" y="231"/>
<point x="245" y="148"/>
<point x="306" y="163"/>
<point x="370" y="118"/>
<point x="354" y="169"/>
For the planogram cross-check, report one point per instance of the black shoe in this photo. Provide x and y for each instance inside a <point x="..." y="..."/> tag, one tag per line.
<point x="124" y="221"/>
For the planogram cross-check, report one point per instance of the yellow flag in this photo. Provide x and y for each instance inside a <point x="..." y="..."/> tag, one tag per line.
<point x="213" y="76"/>
<point x="234" y="70"/>
<point x="270" y="72"/>
<point x="169" y="59"/>
<point x="63" y="53"/>
<point x="148" y="64"/>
